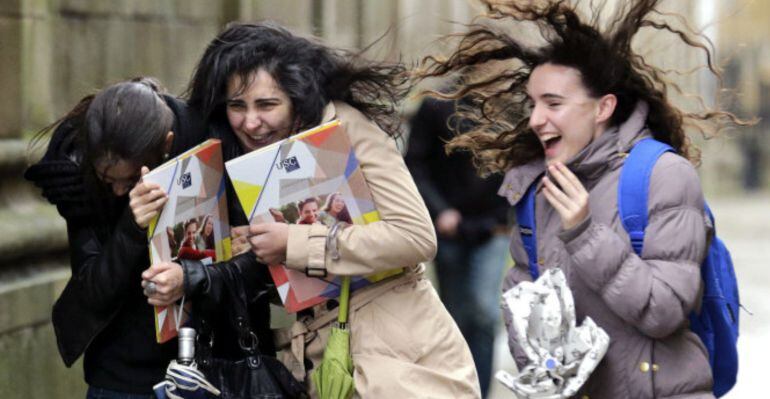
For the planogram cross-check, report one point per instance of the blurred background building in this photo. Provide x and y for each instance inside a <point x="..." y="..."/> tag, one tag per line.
<point x="53" y="52"/>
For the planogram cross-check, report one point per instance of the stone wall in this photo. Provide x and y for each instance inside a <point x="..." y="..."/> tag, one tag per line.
<point x="54" y="52"/>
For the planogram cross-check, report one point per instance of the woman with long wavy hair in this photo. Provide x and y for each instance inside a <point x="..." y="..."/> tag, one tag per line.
<point x="561" y="116"/>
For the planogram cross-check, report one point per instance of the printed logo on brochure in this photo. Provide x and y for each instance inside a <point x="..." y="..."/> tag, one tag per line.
<point x="290" y="164"/>
<point x="185" y="180"/>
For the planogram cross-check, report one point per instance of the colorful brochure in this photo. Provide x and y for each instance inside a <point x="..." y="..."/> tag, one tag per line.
<point x="311" y="177"/>
<point x="193" y="224"/>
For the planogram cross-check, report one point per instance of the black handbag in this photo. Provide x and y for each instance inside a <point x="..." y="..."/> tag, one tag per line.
<point x="253" y="376"/>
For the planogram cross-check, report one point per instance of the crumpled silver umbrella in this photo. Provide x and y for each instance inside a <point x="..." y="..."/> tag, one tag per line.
<point x="561" y="354"/>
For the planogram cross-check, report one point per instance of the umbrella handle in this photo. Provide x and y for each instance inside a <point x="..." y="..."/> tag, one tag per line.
<point x="342" y="316"/>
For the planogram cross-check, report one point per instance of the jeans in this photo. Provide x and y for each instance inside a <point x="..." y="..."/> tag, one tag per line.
<point x="101" y="393"/>
<point x="469" y="280"/>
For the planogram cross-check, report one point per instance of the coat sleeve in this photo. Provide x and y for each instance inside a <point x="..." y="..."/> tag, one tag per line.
<point x="654" y="292"/>
<point x="208" y="282"/>
<point x="103" y="272"/>
<point x="404" y="235"/>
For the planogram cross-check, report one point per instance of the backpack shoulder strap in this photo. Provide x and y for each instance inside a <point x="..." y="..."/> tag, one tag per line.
<point x="633" y="188"/>
<point x="525" y="219"/>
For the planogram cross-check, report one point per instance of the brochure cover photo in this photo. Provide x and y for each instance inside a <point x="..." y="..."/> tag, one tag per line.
<point x="193" y="223"/>
<point x="311" y="177"/>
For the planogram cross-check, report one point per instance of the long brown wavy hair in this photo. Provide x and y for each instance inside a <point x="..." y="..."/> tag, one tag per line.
<point x="497" y="103"/>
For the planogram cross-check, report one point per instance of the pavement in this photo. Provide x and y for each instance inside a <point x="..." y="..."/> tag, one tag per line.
<point x="743" y="223"/>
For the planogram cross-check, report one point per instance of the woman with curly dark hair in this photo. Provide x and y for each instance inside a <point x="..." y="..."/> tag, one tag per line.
<point x="259" y="83"/>
<point x="562" y="117"/>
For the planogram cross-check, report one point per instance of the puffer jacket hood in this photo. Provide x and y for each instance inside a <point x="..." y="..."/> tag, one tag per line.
<point x="642" y="302"/>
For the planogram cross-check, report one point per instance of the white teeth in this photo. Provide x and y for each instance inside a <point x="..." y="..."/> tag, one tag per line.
<point x="547" y="137"/>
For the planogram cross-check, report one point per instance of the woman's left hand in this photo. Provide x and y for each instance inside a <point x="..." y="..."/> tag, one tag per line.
<point x="570" y="200"/>
<point x="268" y="241"/>
<point x="167" y="278"/>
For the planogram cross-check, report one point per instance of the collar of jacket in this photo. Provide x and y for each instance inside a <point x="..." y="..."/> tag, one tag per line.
<point x="606" y="152"/>
<point x="329" y="112"/>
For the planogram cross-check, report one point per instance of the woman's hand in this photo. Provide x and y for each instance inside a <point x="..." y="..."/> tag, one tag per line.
<point x="146" y="200"/>
<point x="570" y="200"/>
<point x="168" y="281"/>
<point x="268" y="241"/>
<point x="239" y="240"/>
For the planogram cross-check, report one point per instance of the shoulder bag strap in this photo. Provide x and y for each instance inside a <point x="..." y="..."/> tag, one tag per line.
<point x="525" y="219"/>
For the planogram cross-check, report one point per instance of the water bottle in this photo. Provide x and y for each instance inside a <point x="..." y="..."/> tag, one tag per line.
<point x="186" y="346"/>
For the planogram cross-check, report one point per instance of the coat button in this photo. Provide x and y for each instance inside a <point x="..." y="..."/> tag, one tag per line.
<point x="655" y="367"/>
<point x="541" y="261"/>
<point x="644" y="367"/>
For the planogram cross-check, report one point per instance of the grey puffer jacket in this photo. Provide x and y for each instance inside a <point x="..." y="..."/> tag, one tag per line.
<point x="642" y="302"/>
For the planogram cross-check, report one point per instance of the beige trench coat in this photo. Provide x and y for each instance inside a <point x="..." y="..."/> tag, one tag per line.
<point x="403" y="341"/>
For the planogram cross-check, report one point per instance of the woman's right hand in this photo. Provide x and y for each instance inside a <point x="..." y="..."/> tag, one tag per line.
<point x="239" y="240"/>
<point x="167" y="280"/>
<point x="146" y="200"/>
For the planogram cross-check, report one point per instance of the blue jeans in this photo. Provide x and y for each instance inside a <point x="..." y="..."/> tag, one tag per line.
<point x="469" y="280"/>
<point x="101" y="393"/>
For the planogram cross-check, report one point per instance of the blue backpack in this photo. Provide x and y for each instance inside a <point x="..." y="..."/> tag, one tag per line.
<point x="717" y="322"/>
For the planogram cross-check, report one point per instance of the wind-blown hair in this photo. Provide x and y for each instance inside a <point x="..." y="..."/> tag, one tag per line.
<point x="499" y="106"/>
<point x="126" y="121"/>
<point x="310" y="73"/>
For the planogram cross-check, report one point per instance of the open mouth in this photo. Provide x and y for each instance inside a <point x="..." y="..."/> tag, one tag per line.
<point x="550" y="141"/>
<point x="260" y="140"/>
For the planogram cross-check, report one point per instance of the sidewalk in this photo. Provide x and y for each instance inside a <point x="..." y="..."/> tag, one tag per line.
<point x="743" y="223"/>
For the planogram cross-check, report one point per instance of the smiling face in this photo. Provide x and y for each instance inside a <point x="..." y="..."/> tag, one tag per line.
<point x="190" y="232"/>
<point x="120" y="176"/>
<point x="338" y="204"/>
<point x="309" y="213"/>
<point x="259" y="114"/>
<point x="564" y="115"/>
<point x="209" y="228"/>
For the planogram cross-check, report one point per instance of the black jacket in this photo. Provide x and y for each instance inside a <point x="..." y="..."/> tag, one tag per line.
<point x="450" y="181"/>
<point x="102" y="310"/>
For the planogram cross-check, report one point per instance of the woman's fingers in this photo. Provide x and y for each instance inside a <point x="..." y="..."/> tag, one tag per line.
<point x="146" y="206"/>
<point x="571" y="208"/>
<point x="558" y="196"/>
<point x="566" y="179"/>
<point x="555" y="203"/>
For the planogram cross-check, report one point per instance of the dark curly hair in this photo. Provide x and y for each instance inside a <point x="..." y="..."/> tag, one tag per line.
<point x="497" y="102"/>
<point x="310" y="73"/>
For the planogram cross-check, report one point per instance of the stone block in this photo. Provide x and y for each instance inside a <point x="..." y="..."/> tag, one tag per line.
<point x="377" y="18"/>
<point x="183" y="48"/>
<point x="296" y="14"/>
<point x="10" y="77"/>
<point x="37" y="228"/>
<point x="83" y="9"/>
<point x="200" y="11"/>
<point x="30" y="366"/>
<point x="35" y="8"/>
<point x="80" y="60"/>
<point x="37" y="73"/>
<point x="420" y="24"/>
<point x="10" y="7"/>
<point x="341" y="23"/>
<point x="26" y="297"/>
